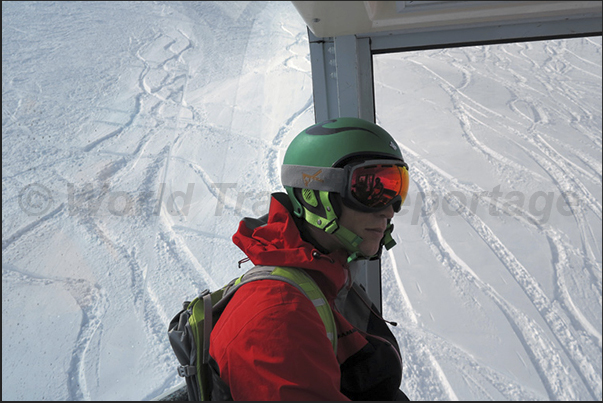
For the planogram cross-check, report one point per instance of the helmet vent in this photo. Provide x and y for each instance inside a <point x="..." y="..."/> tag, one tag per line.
<point x="309" y="197"/>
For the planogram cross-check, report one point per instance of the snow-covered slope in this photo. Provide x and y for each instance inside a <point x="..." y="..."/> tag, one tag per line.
<point x="135" y="136"/>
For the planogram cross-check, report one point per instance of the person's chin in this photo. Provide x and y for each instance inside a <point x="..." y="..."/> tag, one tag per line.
<point x="369" y="248"/>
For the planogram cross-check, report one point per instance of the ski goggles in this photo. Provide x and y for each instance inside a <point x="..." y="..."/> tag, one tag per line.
<point x="375" y="185"/>
<point x="367" y="186"/>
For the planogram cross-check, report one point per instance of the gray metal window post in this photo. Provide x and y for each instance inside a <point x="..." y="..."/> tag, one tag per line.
<point x="342" y="78"/>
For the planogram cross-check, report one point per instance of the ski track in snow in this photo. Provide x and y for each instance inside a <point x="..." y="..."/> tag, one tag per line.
<point x="559" y="168"/>
<point x="435" y="377"/>
<point x="543" y="353"/>
<point x="93" y="302"/>
<point x="271" y="163"/>
<point x="159" y="85"/>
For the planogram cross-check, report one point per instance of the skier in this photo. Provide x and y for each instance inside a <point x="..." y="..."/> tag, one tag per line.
<point x="345" y="178"/>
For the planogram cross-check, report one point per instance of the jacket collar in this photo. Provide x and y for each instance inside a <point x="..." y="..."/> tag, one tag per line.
<point x="275" y="240"/>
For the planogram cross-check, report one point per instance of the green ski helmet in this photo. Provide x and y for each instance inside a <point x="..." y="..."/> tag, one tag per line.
<point x="344" y="160"/>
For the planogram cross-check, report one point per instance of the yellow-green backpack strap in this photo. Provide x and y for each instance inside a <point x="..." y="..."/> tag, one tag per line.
<point x="313" y="292"/>
<point x="297" y="278"/>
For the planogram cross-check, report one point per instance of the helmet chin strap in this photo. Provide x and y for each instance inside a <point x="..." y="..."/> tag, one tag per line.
<point x="330" y="225"/>
<point x="388" y="240"/>
<point x="351" y="242"/>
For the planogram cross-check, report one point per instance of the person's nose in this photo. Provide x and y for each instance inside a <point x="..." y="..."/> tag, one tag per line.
<point x="387" y="212"/>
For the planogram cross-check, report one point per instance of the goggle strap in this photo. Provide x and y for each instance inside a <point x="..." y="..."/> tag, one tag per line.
<point x="316" y="178"/>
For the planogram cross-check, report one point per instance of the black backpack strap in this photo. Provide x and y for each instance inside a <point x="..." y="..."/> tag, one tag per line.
<point x="207" y="326"/>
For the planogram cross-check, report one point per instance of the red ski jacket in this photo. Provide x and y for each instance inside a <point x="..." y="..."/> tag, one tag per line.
<point x="271" y="344"/>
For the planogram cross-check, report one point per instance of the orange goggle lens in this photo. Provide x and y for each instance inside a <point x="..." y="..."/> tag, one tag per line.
<point x="376" y="186"/>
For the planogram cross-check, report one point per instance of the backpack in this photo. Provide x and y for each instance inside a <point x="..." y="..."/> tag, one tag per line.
<point x="189" y="331"/>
